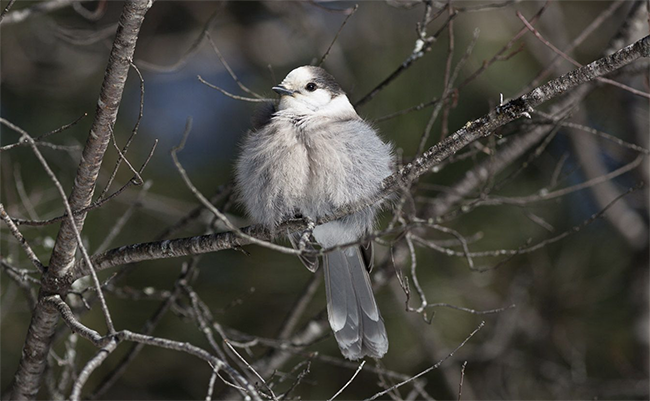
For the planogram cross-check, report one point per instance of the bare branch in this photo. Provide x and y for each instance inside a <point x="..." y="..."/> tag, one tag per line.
<point x="572" y="61"/>
<point x="422" y="45"/>
<point x="462" y="377"/>
<point x="522" y="200"/>
<point x="126" y="335"/>
<point x="102" y="127"/>
<point x="90" y="367"/>
<point x="19" y="236"/>
<point x="6" y="10"/>
<point x="246" y="99"/>
<point x="345" y="21"/>
<point x="47" y="134"/>
<point x="96" y="204"/>
<point x="472" y="131"/>
<point x="227" y="67"/>
<point x="39" y="8"/>
<point x="37" y="344"/>
<point x="125" y="149"/>
<point x="193" y="49"/>
<point x="436" y="366"/>
<point x="356" y="372"/>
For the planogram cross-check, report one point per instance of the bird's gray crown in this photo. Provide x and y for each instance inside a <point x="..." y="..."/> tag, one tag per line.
<point x="324" y="80"/>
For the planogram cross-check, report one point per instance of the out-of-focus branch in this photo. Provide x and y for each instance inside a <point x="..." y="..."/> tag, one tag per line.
<point x="44" y="7"/>
<point x="472" y="131"/>
<point x="422" y="45"/>
<point x="515" y="149"/>
<point x="435" y="366"/>
<point x="6" y="10"/>
<point x="625" y="219"/>
<point x="628" y="222"/>
<point x="107" y="342"/>
<point x="21" y="239"/>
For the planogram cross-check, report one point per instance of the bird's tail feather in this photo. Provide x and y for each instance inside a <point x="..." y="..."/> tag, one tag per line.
<point x="351" y="307"/>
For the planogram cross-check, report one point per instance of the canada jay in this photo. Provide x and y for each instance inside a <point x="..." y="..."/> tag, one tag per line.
<point x="310" y="155"/>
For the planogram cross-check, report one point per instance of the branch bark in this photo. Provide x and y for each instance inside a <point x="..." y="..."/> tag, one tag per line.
<point x="101" y="129"/>
<point x="472" y="131"/>
<point x="521" y="144"/>
<point x="42" y="326"/>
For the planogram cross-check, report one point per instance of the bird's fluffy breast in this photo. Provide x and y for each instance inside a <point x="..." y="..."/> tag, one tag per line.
<point x="310" y="168"/>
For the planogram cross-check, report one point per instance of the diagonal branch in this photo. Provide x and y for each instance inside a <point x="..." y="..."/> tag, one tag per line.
<point x="472" y="131"/>
<point x="522" y="143"/>
<point x="108" y="104"/>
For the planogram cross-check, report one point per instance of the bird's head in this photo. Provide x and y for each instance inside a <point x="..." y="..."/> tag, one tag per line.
<point x="312" y="90"/>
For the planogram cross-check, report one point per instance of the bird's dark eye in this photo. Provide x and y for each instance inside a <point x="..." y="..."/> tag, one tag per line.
<point x="311" y="87"/>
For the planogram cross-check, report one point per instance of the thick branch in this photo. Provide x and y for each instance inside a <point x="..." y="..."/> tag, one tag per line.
<point x="42" y="326"/>
<point x="470" y="132"/>
<point x="101" y="129"/>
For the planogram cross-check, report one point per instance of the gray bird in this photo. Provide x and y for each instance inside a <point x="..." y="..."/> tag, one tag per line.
<point x="309" y="156"/>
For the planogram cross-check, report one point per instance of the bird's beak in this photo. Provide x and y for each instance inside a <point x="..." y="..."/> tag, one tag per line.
<point x="281" y="90"/>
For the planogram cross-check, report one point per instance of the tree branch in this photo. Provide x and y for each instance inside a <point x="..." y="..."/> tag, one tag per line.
<point x="108" y="104"/>
<point x="42" y="326"/>
<point x="472" y="131"/>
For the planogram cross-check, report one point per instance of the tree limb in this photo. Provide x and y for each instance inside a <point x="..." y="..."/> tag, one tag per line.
<point x="42" y="326"/>
<point x="472" y="131"/>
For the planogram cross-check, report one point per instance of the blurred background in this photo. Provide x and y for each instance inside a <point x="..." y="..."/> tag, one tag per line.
<point x="579" y="327"/>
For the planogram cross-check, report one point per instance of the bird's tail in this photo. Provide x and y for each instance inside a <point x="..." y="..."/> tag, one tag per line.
<point x="351" y="307"/>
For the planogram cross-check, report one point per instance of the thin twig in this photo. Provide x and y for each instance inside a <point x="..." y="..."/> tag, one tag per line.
<point x="422" y="46"/>
<point x="191" y="51"/>
<point x="436" y="366"/>
<point x="97" y="204"/>
<point x="250" y="368"/>
<point x="236" y="97"/>
<point x="345" y="21"/>
<point x="356" y="372"/>
<point x="134" y="132"/>
<point x="227" y="67"/>
<point x="545" y="195"/>
<point x="90" y="367"/>
<point x="462" y="377"/>
<point x="43" y="136"/>
<point x="21" y="239"/>
<point x="576" y="42"/>
<point x="126" y="335"/>
<point x="68" y="207"/>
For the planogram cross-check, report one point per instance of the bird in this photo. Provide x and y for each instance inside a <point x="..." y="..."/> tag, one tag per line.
<point x="307" y="155"/>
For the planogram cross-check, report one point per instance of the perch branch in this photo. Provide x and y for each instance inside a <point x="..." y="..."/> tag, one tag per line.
<point x="481" y="127"/>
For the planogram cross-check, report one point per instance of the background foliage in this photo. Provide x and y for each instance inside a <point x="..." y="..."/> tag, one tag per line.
<point x="580" y="325"/>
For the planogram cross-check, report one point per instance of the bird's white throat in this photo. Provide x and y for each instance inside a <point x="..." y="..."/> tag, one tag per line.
<point x="338" y="107"/>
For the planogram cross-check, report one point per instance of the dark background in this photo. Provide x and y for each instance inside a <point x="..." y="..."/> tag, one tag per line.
<point x="580" y="326"/>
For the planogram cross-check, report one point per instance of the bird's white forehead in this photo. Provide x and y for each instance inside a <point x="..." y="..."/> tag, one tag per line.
<point x="300" y="74"/>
